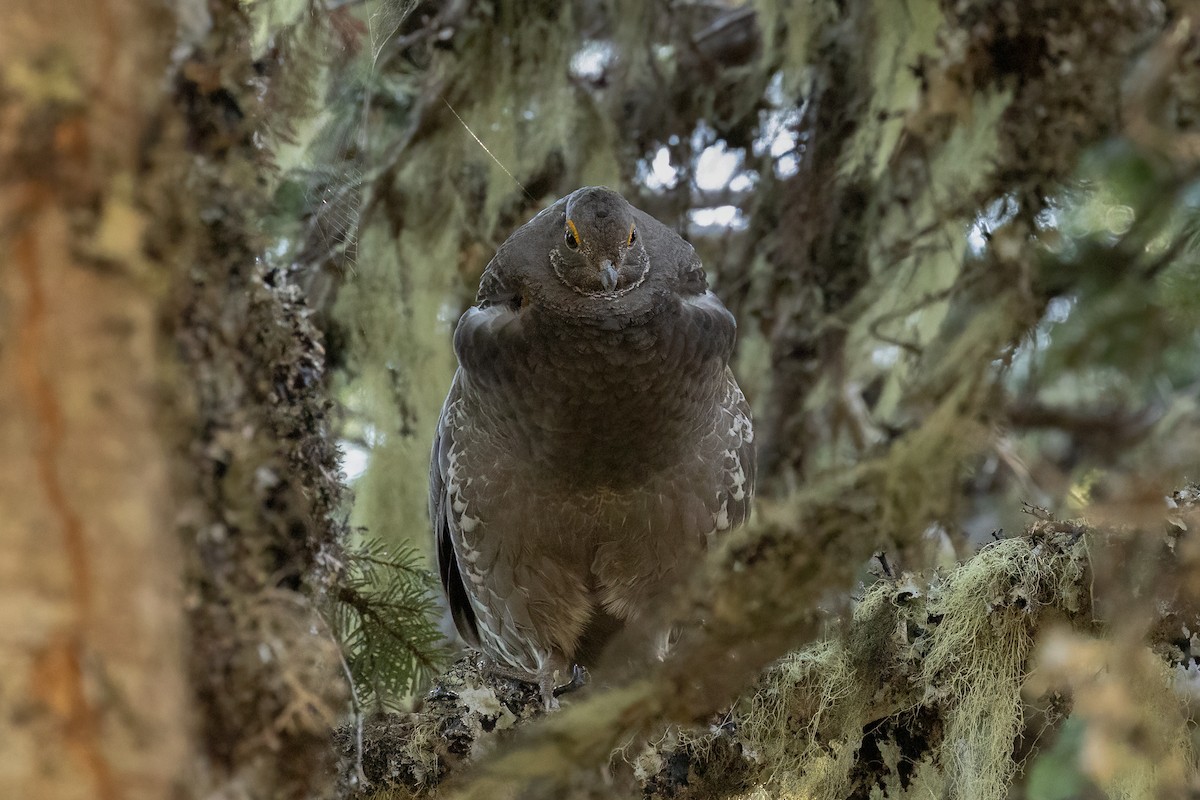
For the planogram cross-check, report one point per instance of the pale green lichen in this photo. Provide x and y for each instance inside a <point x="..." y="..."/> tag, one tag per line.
<point x="963" y="651"/>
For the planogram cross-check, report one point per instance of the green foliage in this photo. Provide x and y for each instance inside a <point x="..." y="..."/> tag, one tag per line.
<point x="1054" y="774"/>
<point x="1125" y="240"/>
<point x="384" y="615"/>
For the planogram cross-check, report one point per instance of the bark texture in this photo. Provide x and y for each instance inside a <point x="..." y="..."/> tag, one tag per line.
<point x="94" y="697"/>
<point x="260" y="464"/>
<point x="170" y="481"/>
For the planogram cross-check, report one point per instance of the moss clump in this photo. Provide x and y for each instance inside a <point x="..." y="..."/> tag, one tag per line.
<point x="947" y="658"/>
<point x="979" y="652"/>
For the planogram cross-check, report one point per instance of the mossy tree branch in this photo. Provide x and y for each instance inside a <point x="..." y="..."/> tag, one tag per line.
<point x="924" y="659"/>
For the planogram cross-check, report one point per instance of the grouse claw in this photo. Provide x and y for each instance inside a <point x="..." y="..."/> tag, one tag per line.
<point x="579" y="679"/>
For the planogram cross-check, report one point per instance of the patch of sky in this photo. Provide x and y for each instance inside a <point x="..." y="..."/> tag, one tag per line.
<point x="717" y="167"/>
<point x="777" y="130"/>
<point x="657" y="173"/>
<point x="997" y="213"/>
<point x="591" y="60"/>
<point x="885" y="356"/>
<point x="354" y="460"/>
<point x="728" y="217"/>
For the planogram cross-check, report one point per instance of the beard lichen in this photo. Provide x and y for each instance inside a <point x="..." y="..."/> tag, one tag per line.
<point x="949" y="657"/>
<point x="979" y="652"/>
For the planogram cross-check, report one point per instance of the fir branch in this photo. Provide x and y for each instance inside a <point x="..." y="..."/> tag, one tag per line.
<point x="384" y="614"/>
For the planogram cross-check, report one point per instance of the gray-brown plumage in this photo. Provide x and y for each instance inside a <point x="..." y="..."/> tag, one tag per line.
<point x="594" y="437"/>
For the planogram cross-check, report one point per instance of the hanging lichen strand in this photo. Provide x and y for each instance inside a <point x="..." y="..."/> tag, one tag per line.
<point x="436" y="204"/>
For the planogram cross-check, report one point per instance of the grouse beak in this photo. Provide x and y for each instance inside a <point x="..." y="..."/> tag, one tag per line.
<point x="608" y="275"/>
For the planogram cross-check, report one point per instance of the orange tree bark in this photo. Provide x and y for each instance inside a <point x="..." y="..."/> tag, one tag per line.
<point x="92" y="686"/>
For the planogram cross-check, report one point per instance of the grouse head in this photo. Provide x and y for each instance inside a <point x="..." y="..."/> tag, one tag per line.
<point x="599" y="250"/>
<point x="590" y="259"/>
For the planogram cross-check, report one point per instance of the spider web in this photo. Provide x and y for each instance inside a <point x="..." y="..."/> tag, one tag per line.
<point x="383" y="20"/>
<point x="337" y="165"/>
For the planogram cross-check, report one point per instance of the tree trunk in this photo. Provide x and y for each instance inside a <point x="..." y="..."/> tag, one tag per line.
<point x="93" y="696"/>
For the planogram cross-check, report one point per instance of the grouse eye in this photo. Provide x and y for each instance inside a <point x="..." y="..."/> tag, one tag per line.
<point x="570" y="236"/>
<point x="632" y="235"/>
